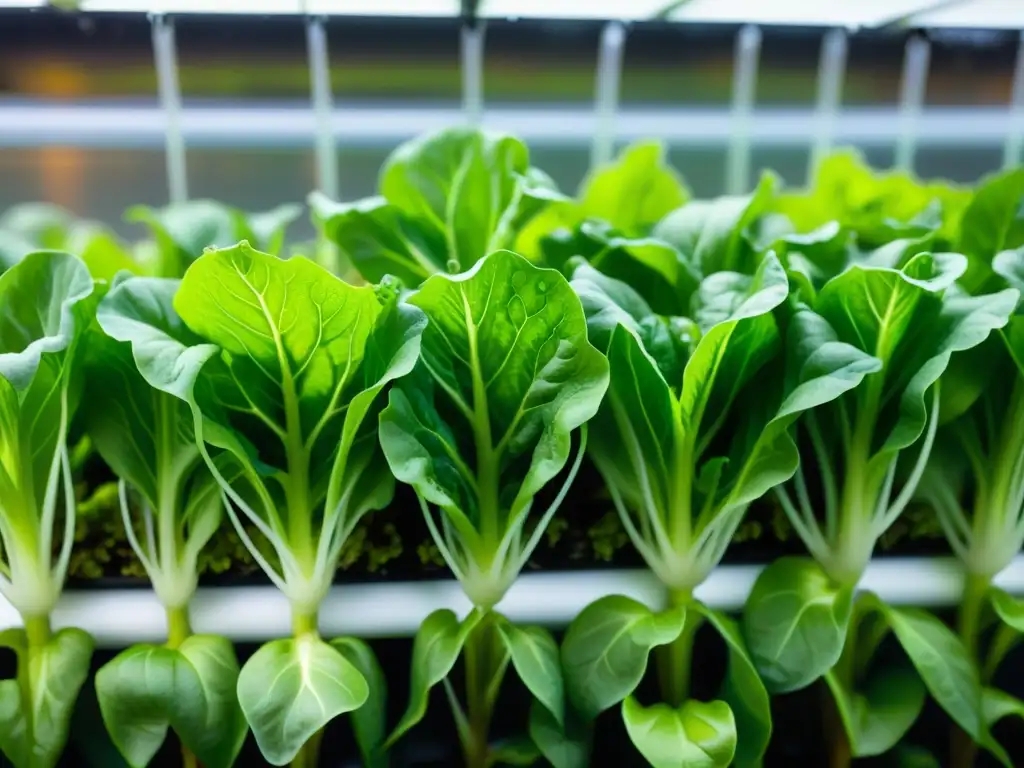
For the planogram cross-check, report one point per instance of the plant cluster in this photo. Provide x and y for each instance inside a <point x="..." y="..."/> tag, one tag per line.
<point x="850" y="350"/>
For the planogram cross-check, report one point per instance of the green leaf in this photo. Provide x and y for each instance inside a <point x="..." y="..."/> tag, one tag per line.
<point x="710" y="233"/>
<point x="942" y="662"/>
<point x="564" y="746"/>
<point x="516" y="751"/>
<point x="635" y="191"/>
<point x="795" y="623"/>
<point x="534" y="654"/>
<point x="651" y="267"/>
<point x="43" y="224"/>
<point x="997" y="704"/>
<point x="743" y="691"/>
<point x="506" y="376"/>
<point x="991" y="223"/>
<point x="696" y="735"/>
<point x="467" y="188"/>
<point x="184" y="230"/>
<point x="290" y="689"/>
<point x="369" y="721"/>
<point x="1009" y="609"/>
<point x="436" y="648"/>
<point x="149" y="688"/>
<point x="880" y="714"/>
<point x="605" y="650"/>
<point x="379" y="239"/>
<point x="36" y="707"/>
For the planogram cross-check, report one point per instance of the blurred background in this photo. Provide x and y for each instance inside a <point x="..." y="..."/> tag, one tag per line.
<point x="81" y="125"/>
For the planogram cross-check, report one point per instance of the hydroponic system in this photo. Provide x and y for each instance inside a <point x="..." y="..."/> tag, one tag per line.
<point x="647" y="478"/>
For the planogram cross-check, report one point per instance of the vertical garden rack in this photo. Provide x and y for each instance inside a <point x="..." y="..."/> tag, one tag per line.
<point x="121" y="617"/>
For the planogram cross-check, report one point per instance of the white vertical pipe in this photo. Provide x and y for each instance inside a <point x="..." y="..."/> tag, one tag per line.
<point x="912" y="91"/>
<point x="169" y="91"/>
<point x="831" y="71"/>
<point x="473" y="71"/>
<point x="744" y="87"/>
<point x="606" y="92"/>
<point x="1015" y="130"/>
<point x="323" y="106"/>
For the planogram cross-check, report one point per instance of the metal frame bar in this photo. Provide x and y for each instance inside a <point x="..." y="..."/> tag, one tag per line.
<point x="912" y="95"/>
<point x="1012" y="150"/>
<point x="744" y="92"/>
<point x="831" y="72"/>
<point x="606" y="92"/>
<point x="323" y="106"/>
<point x="169" y="90"/>
<point x="120" y="617"/>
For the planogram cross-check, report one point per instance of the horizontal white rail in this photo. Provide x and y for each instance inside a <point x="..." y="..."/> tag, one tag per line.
<point x="120" y="617"/>
<point x="88" y="125"/>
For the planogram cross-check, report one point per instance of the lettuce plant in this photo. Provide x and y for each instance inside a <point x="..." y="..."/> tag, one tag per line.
<point x="45" y="303"/>
<point x="281" y="364"/>
<point x="975" y="480"/>
<point x="446" y="200"/>
<point x="481" y="429"/>
<point x="146" y="436"/>
<point x="693" y="429"/>
<point x="804" y="618"/>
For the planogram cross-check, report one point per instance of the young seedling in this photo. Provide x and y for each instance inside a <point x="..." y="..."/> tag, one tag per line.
<point x="282" y="366"/>
<point x="482" y="427"/>
<point x="45" y="305"/>
<point x="693" y="429"/>
<point x="868" y="449"/>
<point x="146" y="436"/>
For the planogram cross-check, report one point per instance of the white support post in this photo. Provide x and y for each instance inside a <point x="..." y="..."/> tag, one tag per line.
<point x="169" y="91"/>
<point x="606" y="93"/>
<point x="831" y="72"/>
<point x="1015" y="130"/>
<point x="912" y="91"/>
<point x="323" y="107"/>
<point x="744" y="87"/>
<point x="473" y="71"/>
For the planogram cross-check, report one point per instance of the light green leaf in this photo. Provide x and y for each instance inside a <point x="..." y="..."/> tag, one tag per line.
<point x="605" y="650"/>
<point x="290" y="689"/>
<point x="696" y="735"/>
<point x="880" y="714"/>
<point x="149" y="688"/>
<point x="795" y="622"/>
<point x="184" y="230"/>
<point x="535" y="658"/>
<point x="710" y="233"/>
<point x="992" y="222"/>
<point x="468" y="188"/>
<point x="635" y="191"/>
<point x="567" y="746"/>
<point x="369" y="721"/>
<point x="943" y="664"/>
<point x="435" y="650"/>
<point x="743" y="691"/>
<point x="1009" y="609"/>
<point x="36" y="707"/>
<point x="379" y="239"/>
<point x="45" y="225"/>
